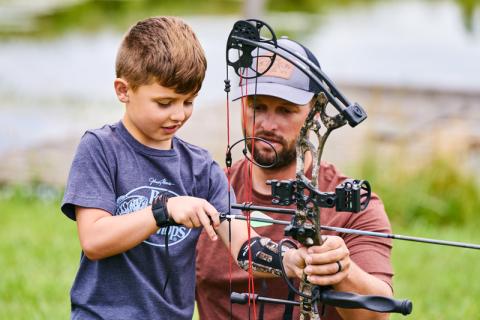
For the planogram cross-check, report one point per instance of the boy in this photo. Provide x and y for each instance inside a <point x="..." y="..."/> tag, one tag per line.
<point x="133" y="177"/>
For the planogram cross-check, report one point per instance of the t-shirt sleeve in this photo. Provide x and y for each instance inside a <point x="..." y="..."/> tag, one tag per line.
<point x="372" y="254"/>
<point x="218" y="192"/>
<point x="90" y="182"/>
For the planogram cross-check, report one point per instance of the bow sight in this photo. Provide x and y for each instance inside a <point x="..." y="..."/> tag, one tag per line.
<point x="350" y="196"/>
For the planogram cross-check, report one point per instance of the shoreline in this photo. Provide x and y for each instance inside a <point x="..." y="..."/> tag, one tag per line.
<point x="415" y="123"/>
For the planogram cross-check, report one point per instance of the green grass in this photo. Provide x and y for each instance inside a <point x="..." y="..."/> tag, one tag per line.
<point x="441" y="281"/>
<point x="39" y="255"/>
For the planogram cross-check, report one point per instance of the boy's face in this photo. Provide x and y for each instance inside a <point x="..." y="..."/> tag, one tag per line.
<point x="277" y="121"/>
<point x="154" y="113"/>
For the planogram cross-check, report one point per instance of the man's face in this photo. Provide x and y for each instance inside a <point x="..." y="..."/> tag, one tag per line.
<point x="155" y="113"/>
<point x="277" y="121"/>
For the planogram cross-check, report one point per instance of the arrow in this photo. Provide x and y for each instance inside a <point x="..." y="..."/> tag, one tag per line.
<point x="263" y="218"/>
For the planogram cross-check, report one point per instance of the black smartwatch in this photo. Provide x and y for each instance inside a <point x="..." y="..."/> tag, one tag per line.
<point x="160" y="212"/>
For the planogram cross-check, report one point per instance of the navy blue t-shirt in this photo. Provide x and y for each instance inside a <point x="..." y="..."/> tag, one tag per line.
<point x="114" y="172"/>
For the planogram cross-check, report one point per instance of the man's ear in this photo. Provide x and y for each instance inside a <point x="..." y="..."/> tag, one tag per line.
<point x="121" y="89"/>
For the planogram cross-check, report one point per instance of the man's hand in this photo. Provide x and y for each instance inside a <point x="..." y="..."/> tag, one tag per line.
<point x="294" y="262"/>
<point x="194" y="212"/>
<point x="329" y="263"/>
<point x="324" y="265"/>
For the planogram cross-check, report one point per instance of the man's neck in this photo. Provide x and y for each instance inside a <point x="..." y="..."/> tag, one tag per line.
<point x="261" y="175"/>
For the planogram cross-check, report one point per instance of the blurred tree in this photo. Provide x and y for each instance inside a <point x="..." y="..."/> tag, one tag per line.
<point x="254" y="8"/>
<point x="468" y="12"/>
<point x="93" y="15"/>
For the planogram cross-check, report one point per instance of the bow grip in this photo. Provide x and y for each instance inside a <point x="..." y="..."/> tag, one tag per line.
<point x="370" y="302"/>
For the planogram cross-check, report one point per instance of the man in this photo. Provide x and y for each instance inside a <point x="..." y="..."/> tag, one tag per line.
<point x="284" y="96"/>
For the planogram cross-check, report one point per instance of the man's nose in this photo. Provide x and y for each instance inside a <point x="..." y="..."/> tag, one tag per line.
<point x="268" y="122"/>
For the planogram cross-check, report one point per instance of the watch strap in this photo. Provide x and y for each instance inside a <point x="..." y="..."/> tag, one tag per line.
<point x="160" y="211"/>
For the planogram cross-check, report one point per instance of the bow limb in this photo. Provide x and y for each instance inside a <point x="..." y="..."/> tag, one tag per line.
<point x="308" y="214"/>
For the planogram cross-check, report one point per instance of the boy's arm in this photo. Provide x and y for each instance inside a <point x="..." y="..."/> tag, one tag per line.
<point x="103" y="235"/>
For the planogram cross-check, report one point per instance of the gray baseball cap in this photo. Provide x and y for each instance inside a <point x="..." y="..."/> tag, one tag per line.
<point x="283" y="80"/>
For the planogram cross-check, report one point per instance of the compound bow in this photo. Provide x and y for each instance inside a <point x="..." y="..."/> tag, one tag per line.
<point x="246" y="37"/>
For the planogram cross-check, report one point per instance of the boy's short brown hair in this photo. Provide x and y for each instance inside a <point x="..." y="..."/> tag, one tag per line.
<point x="163" y="50"/>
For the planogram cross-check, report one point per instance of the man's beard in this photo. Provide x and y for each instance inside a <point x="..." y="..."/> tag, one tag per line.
<point x="285" y="157"/>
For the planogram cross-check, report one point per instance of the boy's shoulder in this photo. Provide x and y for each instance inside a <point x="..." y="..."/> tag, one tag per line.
<point x="107" y="136"/>
<point x="193" y="150"/>
<point x="104" y="132"/>
<point x="100" y="142"/>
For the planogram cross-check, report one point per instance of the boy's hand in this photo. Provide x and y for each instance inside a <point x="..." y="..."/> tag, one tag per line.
<point x="194" y="212"/>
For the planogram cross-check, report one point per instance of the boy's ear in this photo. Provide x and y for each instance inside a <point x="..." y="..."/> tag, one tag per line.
<point x="121" y="89"/>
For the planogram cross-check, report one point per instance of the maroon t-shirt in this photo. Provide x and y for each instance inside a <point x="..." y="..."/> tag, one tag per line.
<point x="213" y="276"/>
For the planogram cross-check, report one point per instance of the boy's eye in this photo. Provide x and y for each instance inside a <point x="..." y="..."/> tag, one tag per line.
<point x="189" y="103"/>
<point x="163" y="104"/>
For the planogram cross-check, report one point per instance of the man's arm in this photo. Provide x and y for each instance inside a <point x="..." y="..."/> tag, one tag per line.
<point x="293" y="259"/>
<point x="320" y="264"/>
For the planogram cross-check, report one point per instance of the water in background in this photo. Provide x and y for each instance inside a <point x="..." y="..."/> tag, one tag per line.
<point x="55" y="87"/>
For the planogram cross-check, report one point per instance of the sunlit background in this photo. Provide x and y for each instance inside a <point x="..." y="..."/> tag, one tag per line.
<point x="414" y="65"/>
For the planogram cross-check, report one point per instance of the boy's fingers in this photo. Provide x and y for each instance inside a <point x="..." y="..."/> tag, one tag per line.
<point x="195" y="219"/>
<point x="189" y="223"/>
<point x="215" y="218"/>
<point x="205" y="221"/>
<point x="213" y="214"/>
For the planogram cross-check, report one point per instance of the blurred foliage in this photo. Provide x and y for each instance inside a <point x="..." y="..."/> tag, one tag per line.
<point x="34" y="191"/>
<point x="468" y="12"/>
<point x="438" y="192"/>
<point x="313" y="6"/>
<point x="94" y="15"/>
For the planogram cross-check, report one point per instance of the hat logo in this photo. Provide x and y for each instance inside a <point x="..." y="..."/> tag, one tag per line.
<point x="281" y="68"/>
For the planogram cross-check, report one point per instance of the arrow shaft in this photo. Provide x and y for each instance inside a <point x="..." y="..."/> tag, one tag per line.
<point x="366" y="233"/>
<point x="248" y="207"/>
